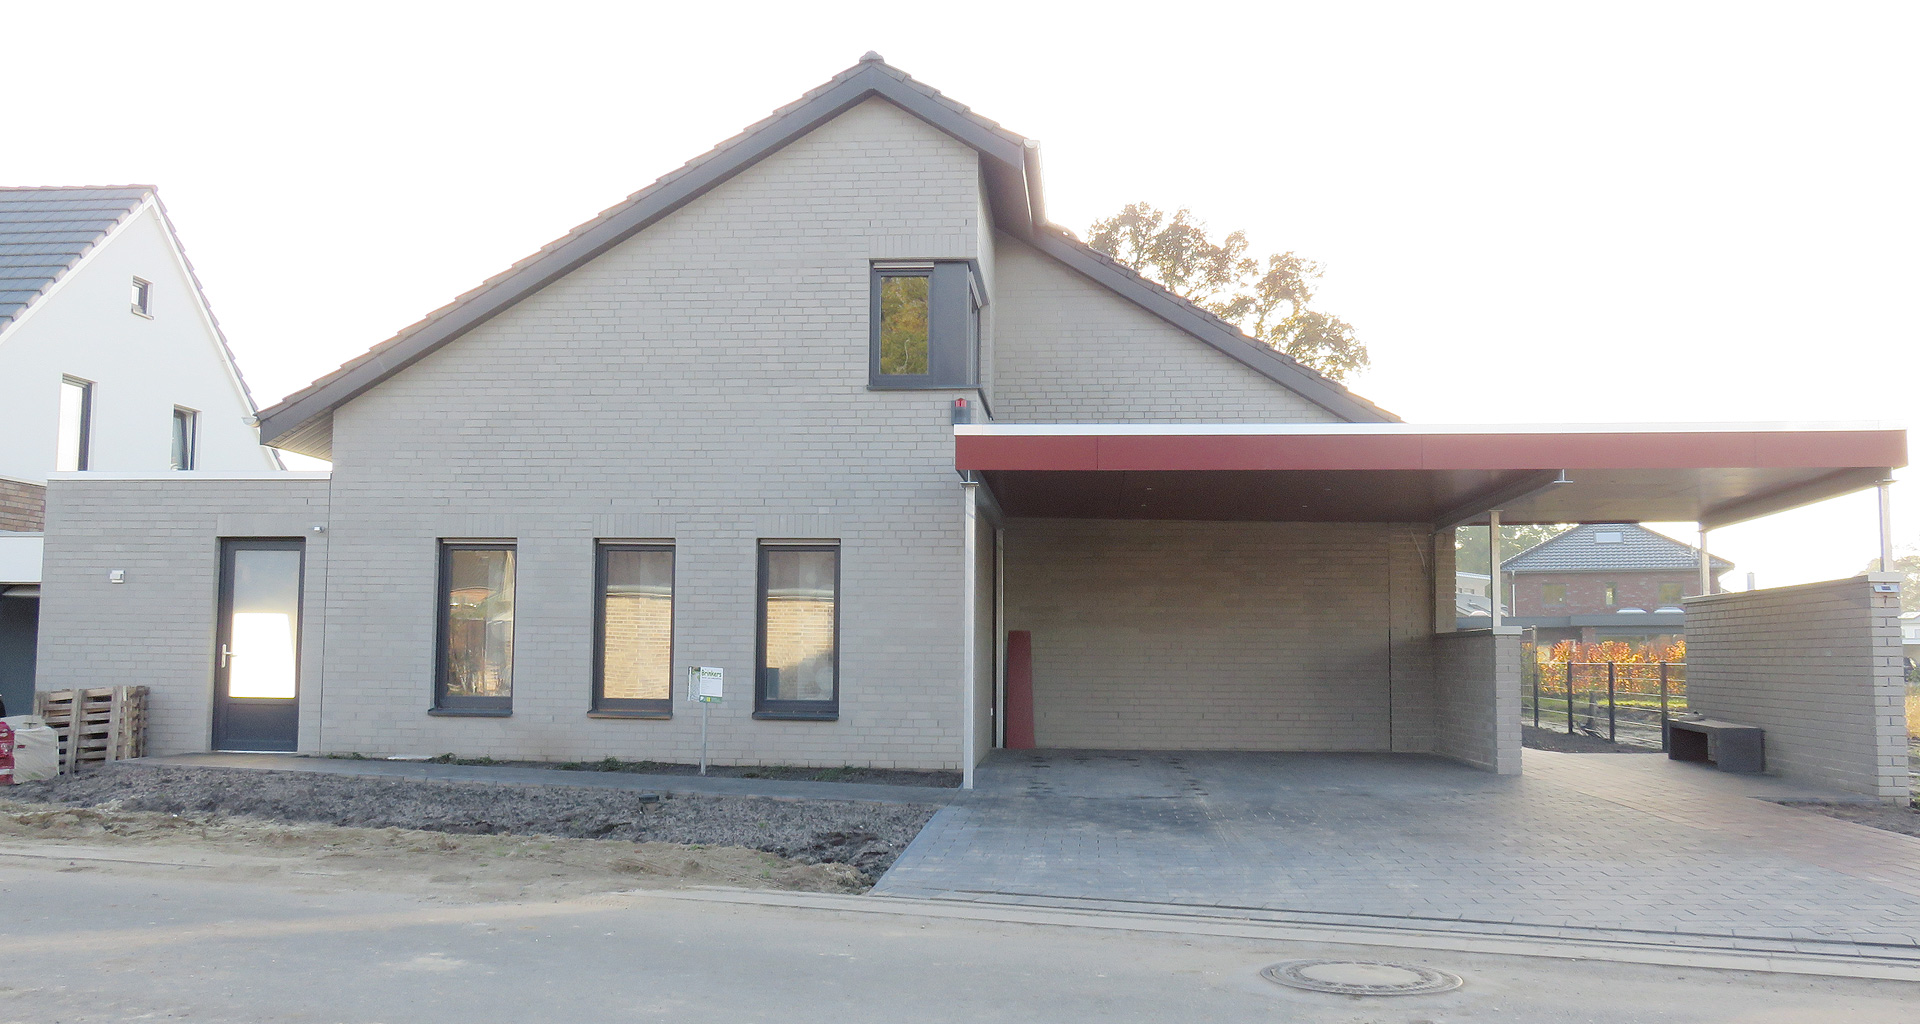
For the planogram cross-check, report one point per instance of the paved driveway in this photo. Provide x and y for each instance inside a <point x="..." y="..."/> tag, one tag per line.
<point x="1631" y="847"/>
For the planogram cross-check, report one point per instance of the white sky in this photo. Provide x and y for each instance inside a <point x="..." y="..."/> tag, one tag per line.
<point x="1532" y="212"/>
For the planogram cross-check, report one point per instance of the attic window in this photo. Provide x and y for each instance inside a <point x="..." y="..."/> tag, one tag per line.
<point x="925" y="330"/>
<point x="142" y="297"/>
<point x="1609" y="537"/>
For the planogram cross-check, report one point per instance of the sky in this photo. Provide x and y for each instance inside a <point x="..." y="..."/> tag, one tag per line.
<point x="1531" y="212"/>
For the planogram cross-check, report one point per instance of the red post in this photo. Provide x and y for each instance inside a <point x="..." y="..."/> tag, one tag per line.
<point x="1020" y="690"/>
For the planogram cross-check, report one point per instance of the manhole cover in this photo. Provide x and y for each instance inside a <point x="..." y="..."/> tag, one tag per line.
<point x="1358" y="978"/>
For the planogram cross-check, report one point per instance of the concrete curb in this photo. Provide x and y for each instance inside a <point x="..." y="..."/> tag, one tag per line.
<point x="1174" y="920"/>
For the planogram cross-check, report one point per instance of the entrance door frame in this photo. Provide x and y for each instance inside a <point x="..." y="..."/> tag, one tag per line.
<point x="223" y="631"/>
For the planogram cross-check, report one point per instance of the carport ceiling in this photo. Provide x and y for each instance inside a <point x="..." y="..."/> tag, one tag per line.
<point x="1394" y="472"/>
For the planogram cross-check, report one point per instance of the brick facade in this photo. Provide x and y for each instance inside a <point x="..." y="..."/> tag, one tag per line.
<point x="1587" y="591"/>
<point x="23" y="507"/>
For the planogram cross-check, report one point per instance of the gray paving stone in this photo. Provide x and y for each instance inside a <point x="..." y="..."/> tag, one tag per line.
<point x="1616" y="843"/>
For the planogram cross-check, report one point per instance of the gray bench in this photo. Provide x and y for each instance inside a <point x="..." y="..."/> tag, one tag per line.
<point x="1726" y="745"/>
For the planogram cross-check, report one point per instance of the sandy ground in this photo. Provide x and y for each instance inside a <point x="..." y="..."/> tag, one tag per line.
<point x="1904" y="820"/>
<point x="479" y="867"/>
<point x="831" y="846"/>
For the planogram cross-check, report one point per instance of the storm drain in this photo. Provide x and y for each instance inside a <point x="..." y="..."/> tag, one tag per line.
<point x="1360" y="978"/>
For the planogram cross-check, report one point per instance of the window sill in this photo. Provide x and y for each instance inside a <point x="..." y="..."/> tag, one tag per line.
<point x="660" y="716"/>
<point x="919" y="386"/>
<point x="470" y="712"/>
<point x="143" y="316"/>
<point x="797" y="716"/>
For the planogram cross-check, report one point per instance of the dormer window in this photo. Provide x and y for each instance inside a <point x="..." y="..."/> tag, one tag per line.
<point x="142" y="297"/>
<point x="925" y="330"/>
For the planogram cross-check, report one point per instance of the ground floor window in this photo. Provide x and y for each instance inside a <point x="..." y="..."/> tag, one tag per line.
<point x="799" y="661"/>
<point x="633" y="657"/>
<point x="475" y="662"/>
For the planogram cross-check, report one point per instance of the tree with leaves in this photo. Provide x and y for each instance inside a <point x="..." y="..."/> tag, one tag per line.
<point x="1268" y="299"/>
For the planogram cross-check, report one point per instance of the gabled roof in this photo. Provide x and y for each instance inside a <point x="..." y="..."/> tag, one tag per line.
<point x="48" y="230"/>
<point x="302" y="422"/>
<point x="45" y="232"/>
<point x="1638" y="548"/>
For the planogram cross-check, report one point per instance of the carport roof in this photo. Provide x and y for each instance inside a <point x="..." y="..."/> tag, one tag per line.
<point x="1712" y="473"/>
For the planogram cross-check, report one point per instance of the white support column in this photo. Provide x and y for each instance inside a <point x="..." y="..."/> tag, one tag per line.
<point x="970" y="583"/>
<point x="1493" y="563"/>
<point x="1706" y="564"/>
<point x="1000" y="637"/>
<point x="1886" y="526"/>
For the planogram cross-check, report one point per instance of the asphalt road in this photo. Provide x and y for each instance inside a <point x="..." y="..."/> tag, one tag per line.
<point x="121" y="939"/>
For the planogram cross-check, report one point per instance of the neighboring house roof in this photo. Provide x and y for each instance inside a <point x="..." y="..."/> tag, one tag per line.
<point x="1638" y="548"/>
<point x="302" y="422"/>
<point x="48" y="230"/>
<point x="45" y="232"/>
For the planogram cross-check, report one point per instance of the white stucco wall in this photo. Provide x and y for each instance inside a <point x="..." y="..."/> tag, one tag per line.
<point x="141" y="368"/>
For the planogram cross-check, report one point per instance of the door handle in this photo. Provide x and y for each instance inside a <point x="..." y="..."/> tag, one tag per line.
<point x="225" y="653"/>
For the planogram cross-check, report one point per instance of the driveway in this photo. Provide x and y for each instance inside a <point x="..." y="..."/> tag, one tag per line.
<point x="1625" y="847"/>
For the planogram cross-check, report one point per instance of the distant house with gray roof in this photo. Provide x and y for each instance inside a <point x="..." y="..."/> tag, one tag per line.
<point x="1602" y="581"/>
<point x="110" y="361"/>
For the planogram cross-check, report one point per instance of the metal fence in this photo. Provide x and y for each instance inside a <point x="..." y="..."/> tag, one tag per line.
<point x="1620" y="702"/>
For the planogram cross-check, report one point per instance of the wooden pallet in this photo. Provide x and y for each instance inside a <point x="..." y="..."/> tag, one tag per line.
<point x="111" y="723"/>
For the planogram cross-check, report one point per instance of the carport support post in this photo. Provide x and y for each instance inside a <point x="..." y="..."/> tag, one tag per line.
<point x="1706" y="564"/>
<point x="1493" y="563"/>
<point x="970" y="585"/>
<point x="1886" y="525"/>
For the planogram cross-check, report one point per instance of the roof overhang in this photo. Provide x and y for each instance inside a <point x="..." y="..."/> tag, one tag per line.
<point x="1715" y="474"/>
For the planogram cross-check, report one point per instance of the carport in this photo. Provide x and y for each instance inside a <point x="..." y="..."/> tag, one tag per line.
<point x="1289" y="586"/>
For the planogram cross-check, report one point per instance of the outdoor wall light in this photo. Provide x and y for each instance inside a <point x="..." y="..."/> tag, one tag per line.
<point x="116" y="575"/>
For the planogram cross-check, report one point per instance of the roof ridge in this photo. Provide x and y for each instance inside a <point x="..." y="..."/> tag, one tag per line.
<point x="79" y="188"/>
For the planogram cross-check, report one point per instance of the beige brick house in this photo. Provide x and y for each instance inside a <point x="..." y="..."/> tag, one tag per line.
<point x="836" y="409"/>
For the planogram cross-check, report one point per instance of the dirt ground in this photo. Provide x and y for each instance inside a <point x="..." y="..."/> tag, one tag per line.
<point x="876" y="776"/>
<point x="1578" y="743"/>
<point x="833" y="846"/>
<point x="1904" y="820"/>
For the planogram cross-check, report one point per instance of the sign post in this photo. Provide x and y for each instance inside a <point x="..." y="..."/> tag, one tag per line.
<point x="704" y="686"/>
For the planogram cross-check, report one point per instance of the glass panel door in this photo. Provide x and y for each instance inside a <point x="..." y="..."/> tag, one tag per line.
<point x="257" y="658"/>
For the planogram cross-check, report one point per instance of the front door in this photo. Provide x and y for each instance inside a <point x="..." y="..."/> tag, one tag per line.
<point x="256" y="678"/>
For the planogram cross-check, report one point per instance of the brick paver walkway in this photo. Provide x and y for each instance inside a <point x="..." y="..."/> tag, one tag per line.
<point x="1631" y="845"/>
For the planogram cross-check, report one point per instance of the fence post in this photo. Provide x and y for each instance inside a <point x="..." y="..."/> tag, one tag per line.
<point x="1569" y="695"/>
<point x="1610" y="721"/>
<point x="1536" y="691"/>
<point x="1663" y="705"/>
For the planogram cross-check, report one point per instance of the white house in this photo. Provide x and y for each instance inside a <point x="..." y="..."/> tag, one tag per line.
<point x="110" y="362"/>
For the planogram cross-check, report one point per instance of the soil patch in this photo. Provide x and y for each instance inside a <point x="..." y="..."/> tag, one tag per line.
<point x="866" y="837"/>
<point x="464" y="867"/>
<point x="1904" y="820"/>
<point x="782" y="772"/>
<point x="1578" y="743"/>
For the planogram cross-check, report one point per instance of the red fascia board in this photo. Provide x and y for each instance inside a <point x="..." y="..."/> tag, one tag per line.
<point x="1817" y="449"/>
<point x="1259" y="451"/>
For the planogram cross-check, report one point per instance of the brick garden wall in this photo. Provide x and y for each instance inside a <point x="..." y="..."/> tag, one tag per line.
<point x="1819" y="668"/>
<point x="1477" y="698"/>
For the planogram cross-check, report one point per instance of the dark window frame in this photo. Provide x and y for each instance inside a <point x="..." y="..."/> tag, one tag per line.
<point x="955" y="297"/>
<point x="600" y="705"/>
<point x="190" y="449"/>
<point x="443" y="702"/>
<point x="84" y="455"/>
<point x="142" y="297"/>
<point x="1547" y="593"/>
<point x="1611" y="593"/>
<point x="793" y="710"/>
